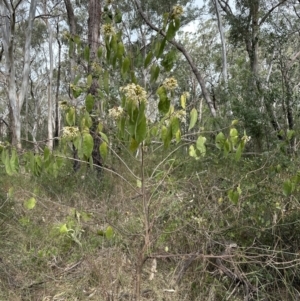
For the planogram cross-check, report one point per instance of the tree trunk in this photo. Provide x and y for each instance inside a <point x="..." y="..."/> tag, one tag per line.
<point x="94" y="22"/>
<point x="16" y="99"/>
<point x="50" y="82"/>
<point x="223" y="42"/>
<point x="73" y="32"/>
<point x="57" y="126"/>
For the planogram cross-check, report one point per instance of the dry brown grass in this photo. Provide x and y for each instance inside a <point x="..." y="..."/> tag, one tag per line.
<point x="37" y="262"/>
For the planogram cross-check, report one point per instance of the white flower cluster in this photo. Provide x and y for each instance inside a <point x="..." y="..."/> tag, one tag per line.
<point x="181" y="115"/>
<point x="115" y="112"/>
<point x="70" y="132"/>
<point x="108" y="30"/>
<point x="135" y="93"/>
<point x="170" y="83"/>
<point x="177" y="11"/>
<point x="246" y="138"/>
<point x="186" y="94"/>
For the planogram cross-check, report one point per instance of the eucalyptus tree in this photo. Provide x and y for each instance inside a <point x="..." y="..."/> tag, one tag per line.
<point x="11" y="21"/>
<point x="282" y="43"/>
<point x="247" y="19"/>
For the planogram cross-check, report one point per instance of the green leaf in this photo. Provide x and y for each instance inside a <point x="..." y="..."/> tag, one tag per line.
<point x="76" y="91"/>
<point x="220" y="140"/>
<point x="153" y="131"/>
<point x="103" y="150"/>
<point x="125" y="65"/>
<point x="108" y="51"/>
<point x="103" y="137"/>
<point x="30" y="204"/>
<point x="120" y="50"/>
<point x="133" y="145"/>
<point x="165" y="20"/>
<point x="193" y="118"/>
<point x="14" y="161"/>
<point x="183" y="101"/>
<point x="171" y="31"/>
<point x="109" y="233"/>
<point x="164" y="105"/>
<point x="141" y="128"/>
<point x="88" y="120"/>
<point x="177" y="23"/>
<point x="133" y="77"/>
<point x="238" y="153"/>
<point x="290" y="134"/>
<point x="106" y="81"/>
<point x="99" y="52"/>
<point x="161" y="48"/>
<point x="63" y="229"/>
<point x="89" y="102"/>
<point x="148" y="59"/>
<point x="193" y="153"/>
<point x="154" y="72"/>
<point x="288" y="188"/>
<point x="175" y="125"/>
<point x="200" y="144"/>
<point x="118" y="16"/>
<point x="87" y="145"/>
<point x="233" y="136"/>
<point x="178" y="136"/>
<point x="113" y="43"/>
<point x="156" y="47"/>
<point x="38" y="161"/>
<point x="166" y="134"/>
<point x="227" y="147"/>
<point x="46" y="154"/>
<point x="168" y="60"/>
<point x="31" y="161"/>
<point x="76" y="80"/>
<point x="86" y="53"/>
<point x="233" y="196"/>
<point x="70" y="116"/>
<point x="10" y="192"/>
<point x="138" y="183"/>
<point x="6" y="162"/>
<point x="89" y="81"/>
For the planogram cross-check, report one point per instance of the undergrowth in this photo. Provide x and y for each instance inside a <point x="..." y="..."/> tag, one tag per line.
<point x="80" y="240"/>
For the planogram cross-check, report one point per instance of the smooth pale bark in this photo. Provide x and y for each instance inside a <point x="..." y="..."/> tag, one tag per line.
<point x="35" y="123"/>
<point x="188" y="57"/>
<point x="16" y="95"/>
<point x="50" y="120"/>
<point x="50" y="83"/>
<point x="252" y="28"/>
<point x="57" y="123"/>
<point x="223" y="43"/>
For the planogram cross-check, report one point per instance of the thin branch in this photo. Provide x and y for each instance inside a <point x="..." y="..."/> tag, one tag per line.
<point x="181" y="48"/>
<point x="269" y="12"/>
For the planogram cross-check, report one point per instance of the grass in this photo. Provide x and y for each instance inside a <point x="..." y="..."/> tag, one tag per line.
<point x="82" y="239"/>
